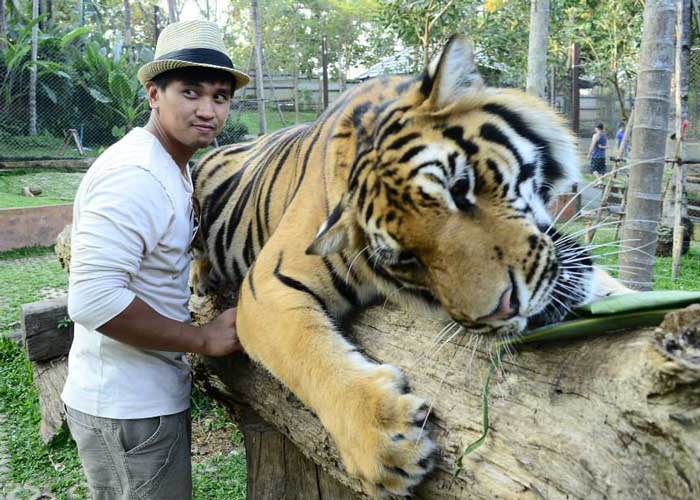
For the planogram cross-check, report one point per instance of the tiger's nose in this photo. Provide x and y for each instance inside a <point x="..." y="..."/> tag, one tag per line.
<point x="508" y="304"/>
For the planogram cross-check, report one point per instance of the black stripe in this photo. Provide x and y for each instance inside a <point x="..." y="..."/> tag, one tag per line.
<point x="350" y="270"/>
<point x="359" y="112"/>
<point x="340" y="285"/>
<point x="457" y="135"/>
<point x="275" y="174"/>
<point x="298" y="285"/>
<point x="250" y="281"/>
<point x="305" y="163"/>
<point x="497" y="175"/>
<point x="401" y="142"/>
<point x="215" y="203"/>
<point x="235" y="218"/>
<point x="220" y="249"/>
<point x="405" y="85"/>
<point x="551" y="169"/>
<point x="388" y="117"/>
<point x="411" y="153"/>
<point x="493" y="134"/>
<point x="248" y="250"/>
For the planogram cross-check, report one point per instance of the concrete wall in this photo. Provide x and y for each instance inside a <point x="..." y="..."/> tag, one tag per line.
<point x="32" y="226"/>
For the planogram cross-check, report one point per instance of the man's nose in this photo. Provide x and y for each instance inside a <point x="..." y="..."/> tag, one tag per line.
<point x="206" y="109"/>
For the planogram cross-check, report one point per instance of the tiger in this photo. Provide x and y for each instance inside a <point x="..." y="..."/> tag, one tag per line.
<point x="428" y="190"/>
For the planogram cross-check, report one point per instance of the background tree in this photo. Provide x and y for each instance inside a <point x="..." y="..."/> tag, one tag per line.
<point x="3" y="27"/>
<point x="173" y="13"/>
<point x="537" y="48"/>
<point x="33" y="68"/>
<point x="648" y="148"/>
<point x="678" y="108"/>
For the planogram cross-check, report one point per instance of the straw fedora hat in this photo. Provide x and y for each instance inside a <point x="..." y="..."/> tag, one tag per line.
<point x="191" y="43"/>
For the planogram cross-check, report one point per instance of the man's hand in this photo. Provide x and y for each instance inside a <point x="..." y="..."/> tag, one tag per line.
<point x="220" y="336"/>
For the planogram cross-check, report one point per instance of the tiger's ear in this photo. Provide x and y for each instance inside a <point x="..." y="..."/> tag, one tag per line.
<point x="452" y="74"/>
<point x="333" y="234"/>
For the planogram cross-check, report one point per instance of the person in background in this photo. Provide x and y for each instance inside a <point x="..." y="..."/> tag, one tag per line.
<point x="127" y="393"/>
<point x="596" y="152"/>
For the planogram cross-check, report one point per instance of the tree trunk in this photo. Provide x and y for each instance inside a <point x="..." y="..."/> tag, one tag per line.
<point x="127" y="32"/>
<point x="614" y="416"/>
<point x="172" y="12"/>
<point x="679" y="106"/>
<point x="33" y="71"/>
<point x="3" y="27"/>
<point x="259" y="77"/>
<point x="537" y="48"/>
<point x="648" y="148"/>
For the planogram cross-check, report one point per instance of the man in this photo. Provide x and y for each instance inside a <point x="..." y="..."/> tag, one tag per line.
<point x="128" y="386"/>
<point x="599" y="143"/>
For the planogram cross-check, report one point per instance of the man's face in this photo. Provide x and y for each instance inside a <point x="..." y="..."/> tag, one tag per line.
<point x="190" y="113"/>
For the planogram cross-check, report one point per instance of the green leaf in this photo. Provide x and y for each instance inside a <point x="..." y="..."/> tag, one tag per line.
<point x="120" y="89"/>
<point x="639" y="301"/>
<point x="99" y="96"/>
<point x="49" y="93"/>
<point x="72" y="35"/>
<point x="117" y="132"/>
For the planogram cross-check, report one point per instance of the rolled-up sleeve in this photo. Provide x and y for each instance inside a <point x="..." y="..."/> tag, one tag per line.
<point x="120" y="218"/>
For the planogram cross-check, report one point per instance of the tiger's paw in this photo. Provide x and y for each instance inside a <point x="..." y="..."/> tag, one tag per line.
<point x="383" y="437"/>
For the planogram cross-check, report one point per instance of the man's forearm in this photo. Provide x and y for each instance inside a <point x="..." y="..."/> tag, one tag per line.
<point x="140" y="325"/>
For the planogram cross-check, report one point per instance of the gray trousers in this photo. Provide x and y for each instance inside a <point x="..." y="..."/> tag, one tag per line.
<point x="139" y="459"/>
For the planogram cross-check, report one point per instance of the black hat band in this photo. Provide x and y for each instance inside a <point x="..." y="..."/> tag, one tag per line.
<point x="199" y="56"/>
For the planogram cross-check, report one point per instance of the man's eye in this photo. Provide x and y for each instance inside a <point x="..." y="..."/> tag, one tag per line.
<point x="190" y="93"/>
<point x="221" y="98"/>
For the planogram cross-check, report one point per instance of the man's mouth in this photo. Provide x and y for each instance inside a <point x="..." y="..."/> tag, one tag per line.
<point x="204" y="128"/>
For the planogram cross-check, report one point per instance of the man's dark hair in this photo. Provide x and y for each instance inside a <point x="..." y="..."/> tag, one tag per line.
<point x="600" y="126"/>
<point x="193" y="75"/>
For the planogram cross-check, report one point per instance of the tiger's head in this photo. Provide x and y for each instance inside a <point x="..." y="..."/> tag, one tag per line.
<point x="447" y="189"/>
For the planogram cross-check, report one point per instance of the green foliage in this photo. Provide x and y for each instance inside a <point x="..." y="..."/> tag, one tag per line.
<point x="55" y="467"/>
<point x="233" y="132"/>
<point x="223" y="477"/>
<point x="609" y="32"/>
<point x="118" y="98"/>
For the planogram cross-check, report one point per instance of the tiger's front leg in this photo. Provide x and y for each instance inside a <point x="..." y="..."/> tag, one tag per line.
<point x="283" y="323"/>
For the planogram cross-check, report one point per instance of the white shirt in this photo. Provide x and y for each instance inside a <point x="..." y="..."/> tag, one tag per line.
<point x="132" y="226"/>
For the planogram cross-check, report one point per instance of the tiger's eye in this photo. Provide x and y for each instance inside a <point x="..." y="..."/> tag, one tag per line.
<point x="459" y="192"/>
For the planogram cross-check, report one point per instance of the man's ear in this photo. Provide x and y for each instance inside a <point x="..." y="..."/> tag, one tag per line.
<point x="333" y="235"/>
<point x="452" y="74"/>
<point x="152" y="92"/>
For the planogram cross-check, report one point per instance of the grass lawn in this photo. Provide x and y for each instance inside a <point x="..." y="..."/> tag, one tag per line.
<point x="219" y="468"/>
<point x="57" y="187"/>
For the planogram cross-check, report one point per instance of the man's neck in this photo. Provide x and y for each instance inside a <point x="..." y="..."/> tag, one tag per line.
<point x="180" y="153"/>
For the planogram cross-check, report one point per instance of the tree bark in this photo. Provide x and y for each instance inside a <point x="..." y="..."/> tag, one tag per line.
<point x="679" y="107"/>
<point x="647" y="156"/>
<point x="614" y="416"/>
<point x="259" y="77"/>
<point x="537" y="48"/>
<point x="127" y="32"/>
<point x="33" y="71"/>
<point x="172" y="12"/>
<point x="3" y="27"/>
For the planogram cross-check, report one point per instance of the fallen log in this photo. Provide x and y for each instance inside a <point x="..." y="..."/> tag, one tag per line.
<point x="47" y="336"/>
<point x="615" y="416"/>
<point x="49" y="378"/>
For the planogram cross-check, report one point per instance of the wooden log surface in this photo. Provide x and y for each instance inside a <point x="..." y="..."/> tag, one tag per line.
<point x="49" y="378"/>
<point x="46" y="331"/>
<point x="615" y="416"/>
